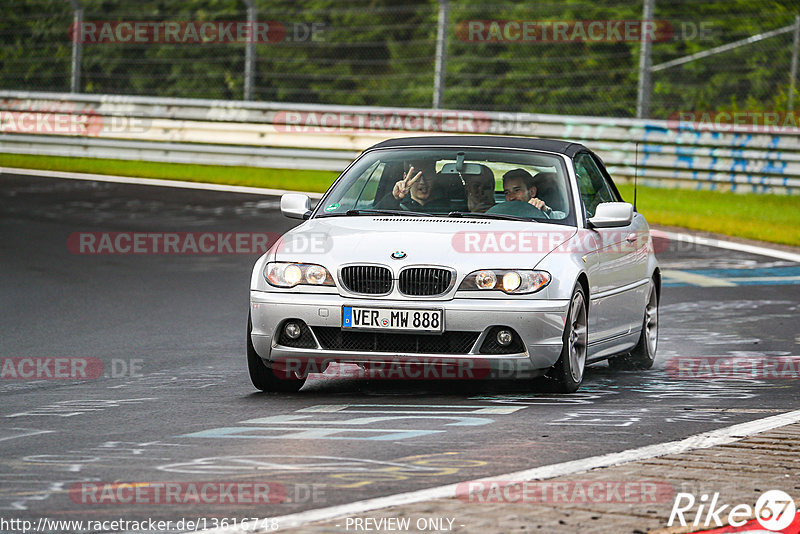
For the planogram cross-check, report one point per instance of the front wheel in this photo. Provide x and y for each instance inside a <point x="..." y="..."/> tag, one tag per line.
<point x="568" y="370"/>
<point x="643" y="355"/>
<point x="262" y="376"/>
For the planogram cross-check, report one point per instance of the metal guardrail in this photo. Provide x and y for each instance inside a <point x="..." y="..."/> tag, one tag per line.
<point x="266" y="134"/>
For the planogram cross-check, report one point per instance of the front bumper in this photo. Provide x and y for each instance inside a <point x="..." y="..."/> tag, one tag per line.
<point x="539" y="324"/>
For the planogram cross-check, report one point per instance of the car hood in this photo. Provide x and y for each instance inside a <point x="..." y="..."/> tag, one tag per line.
<point x="463" y="244"/>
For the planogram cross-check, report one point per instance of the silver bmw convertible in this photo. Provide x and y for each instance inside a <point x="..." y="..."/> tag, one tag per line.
<point x="458" y="257"/>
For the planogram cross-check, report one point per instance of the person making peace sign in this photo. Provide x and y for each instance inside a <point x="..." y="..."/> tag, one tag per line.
<point x="414" y="190"/>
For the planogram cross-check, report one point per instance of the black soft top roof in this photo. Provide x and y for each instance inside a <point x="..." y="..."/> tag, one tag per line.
<point x="547" y="145"/>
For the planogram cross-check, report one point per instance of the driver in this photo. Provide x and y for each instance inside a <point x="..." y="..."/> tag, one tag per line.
<point x="518" y="184"/>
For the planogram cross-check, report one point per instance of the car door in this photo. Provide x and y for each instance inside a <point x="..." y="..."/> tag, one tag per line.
<point x="618" y="267"/>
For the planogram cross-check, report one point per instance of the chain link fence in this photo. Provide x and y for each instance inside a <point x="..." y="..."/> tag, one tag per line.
<point x="569" y="57"/>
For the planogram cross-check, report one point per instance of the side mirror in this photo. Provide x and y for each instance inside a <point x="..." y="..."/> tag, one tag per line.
<point x="612" y="215"/>
<point x="295" y="206"/>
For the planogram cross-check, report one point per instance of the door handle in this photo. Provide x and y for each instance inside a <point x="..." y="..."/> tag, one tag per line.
<point x="631" y="238"/>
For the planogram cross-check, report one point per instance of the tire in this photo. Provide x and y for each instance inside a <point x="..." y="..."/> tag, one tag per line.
<point x="262" y="376"/>
<point x="567" y="373"/>
<point x="643" y="355"/>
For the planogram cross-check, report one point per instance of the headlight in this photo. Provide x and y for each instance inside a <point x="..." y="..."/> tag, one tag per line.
<point x="281" y="274"/>
<point x="513" y="282"/>
<point x="291" y="276"/>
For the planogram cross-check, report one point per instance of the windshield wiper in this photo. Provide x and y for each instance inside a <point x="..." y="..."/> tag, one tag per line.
<point x="353" y="213"/>
<point x="500" y="216"/>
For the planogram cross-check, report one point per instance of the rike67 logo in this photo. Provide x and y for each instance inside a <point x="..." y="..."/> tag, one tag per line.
<point x="774" y="511"/>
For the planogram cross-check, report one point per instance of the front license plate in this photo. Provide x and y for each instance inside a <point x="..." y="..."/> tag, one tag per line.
<point x="359" y="318"/>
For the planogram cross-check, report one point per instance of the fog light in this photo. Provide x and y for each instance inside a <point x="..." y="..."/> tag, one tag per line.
<point x="504" y="337"/>
<point x="292" y="330"/>
<point x="316" y="275"/>
<point x="485" y="280"/>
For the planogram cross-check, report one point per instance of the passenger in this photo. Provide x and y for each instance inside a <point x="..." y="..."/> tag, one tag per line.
<point x="518" y="184"/>
<point x="480" y="190"/>
<point x="414" y="191"/>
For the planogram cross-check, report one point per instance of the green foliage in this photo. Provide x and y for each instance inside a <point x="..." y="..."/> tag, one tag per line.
<point x="772" y="218"/>
<point x="289" y="179"/>
<point x="381" y="52"/>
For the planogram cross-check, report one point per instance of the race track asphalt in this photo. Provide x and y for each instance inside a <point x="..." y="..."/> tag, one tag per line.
<point x="174" y="399"/>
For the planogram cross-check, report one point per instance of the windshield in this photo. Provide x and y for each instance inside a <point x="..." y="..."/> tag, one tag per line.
<point x="453" y="182"/>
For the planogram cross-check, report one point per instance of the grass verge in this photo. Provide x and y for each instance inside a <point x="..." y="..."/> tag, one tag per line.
<point x="295" y="180"/>
<point x="772" y="218"/>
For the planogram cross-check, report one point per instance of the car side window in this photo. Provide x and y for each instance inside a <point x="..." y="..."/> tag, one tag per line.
<point x="607" y="179"/>
<point x="593" y="187"/>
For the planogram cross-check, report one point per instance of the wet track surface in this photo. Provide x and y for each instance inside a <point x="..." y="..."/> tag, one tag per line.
<point x="188" y="413"/>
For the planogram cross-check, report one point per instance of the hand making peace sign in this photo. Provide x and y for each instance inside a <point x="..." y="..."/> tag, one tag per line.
<point x="402" y="187"/>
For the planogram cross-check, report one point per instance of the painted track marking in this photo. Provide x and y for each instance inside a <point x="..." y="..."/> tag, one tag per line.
<point x="152" y="181"/>
<point x="704" y="440"/>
